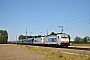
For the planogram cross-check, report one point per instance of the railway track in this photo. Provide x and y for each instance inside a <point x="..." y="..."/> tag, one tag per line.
<point x="79" y="48"/>
<point x="70" y="47"/>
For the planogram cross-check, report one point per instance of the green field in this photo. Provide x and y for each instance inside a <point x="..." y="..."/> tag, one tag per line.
<point x="55" y="54"/>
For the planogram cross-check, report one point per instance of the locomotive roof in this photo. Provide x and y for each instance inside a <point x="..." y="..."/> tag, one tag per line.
<point x="56" y="34"/>
<point x="61" y="33"/>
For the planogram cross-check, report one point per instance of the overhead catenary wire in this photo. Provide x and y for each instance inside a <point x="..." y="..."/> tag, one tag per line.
<point x="68" y="21"/>
<point x="64" y="20"/>
<point x="77" y="25"/>
<point x="75" y="22"/>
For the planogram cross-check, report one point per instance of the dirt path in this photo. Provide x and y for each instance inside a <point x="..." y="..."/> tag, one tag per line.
<point x="10" y="52"/>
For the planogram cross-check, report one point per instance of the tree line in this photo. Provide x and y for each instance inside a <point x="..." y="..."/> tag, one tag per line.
<point x="3" y="36"/>
<point x="79" y="40"/>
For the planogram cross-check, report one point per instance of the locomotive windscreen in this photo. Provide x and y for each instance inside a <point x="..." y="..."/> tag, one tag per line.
<point x="64" y="36"/>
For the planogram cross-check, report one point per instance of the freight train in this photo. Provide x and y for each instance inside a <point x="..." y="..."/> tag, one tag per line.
<point x="59" y="39"/>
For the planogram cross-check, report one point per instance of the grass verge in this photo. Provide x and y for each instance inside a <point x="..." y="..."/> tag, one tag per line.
<point x="88" y="45"/>
<point x="55" y="54"/>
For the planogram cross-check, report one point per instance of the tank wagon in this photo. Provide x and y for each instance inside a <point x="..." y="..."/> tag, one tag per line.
<point x="59" y="39"/>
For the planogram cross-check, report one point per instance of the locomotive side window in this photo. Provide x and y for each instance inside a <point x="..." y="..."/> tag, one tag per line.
<point x="58" y="37"/>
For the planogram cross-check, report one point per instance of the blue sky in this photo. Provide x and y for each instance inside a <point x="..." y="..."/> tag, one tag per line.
<point x="17" y="15"/>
